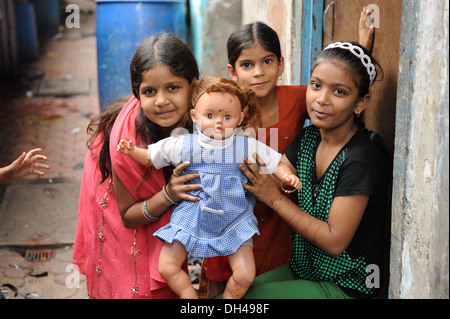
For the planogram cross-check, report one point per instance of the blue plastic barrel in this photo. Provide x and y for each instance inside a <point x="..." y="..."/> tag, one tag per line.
<point x="27" y="38"/>
<point x="121" y="27"/>
<point x="47" y="16"/>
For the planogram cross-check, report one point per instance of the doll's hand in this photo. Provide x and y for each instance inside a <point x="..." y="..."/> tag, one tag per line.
<point x="292" y="180"/>
<point x="125" y="147"/>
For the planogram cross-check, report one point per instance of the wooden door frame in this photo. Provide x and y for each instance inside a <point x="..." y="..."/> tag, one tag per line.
<point x="312" y="21"/>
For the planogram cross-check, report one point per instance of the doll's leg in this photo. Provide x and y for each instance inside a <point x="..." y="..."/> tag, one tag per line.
<point x="171" y="260"/>
<point x="242" y="264"/>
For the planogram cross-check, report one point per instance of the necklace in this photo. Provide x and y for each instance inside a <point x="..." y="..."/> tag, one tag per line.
<point x="101" y="237"/>
<point x="134" y="253"/>
<point x="101" y="234"/>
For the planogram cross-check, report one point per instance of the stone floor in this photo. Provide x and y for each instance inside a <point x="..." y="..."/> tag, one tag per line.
<point x="50" y="107"/>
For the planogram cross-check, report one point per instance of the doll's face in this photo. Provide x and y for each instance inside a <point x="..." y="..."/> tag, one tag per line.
<point x="217" y="114"/>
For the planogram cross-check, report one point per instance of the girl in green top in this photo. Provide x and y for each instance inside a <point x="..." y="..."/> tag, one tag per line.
<point x="338" y="223"/>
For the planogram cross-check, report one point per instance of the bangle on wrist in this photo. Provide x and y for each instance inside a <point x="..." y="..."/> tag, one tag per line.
<point x="168" y="197"/>
<point x="146" y="214"/>
<point x="287" y="191"/>
<point x="148" y="158"/>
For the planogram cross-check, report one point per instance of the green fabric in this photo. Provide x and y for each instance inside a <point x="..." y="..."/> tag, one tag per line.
<point x="281" y="283"/>
<point x="307" y="261"/>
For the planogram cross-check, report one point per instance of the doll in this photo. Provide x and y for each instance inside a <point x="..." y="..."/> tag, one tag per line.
<point x="221" y="222"/>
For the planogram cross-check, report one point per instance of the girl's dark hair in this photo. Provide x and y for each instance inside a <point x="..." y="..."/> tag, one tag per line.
<point x="101" y="125"/>
<point x="354" y="63"/>
<point x="247" y="34"/>
<point x="162" y="49"/>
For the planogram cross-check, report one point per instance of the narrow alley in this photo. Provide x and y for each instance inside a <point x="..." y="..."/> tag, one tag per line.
<point x="50" y="107"/>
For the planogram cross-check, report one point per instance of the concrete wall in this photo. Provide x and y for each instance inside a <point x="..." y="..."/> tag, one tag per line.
<point x="420" y="213"/>
<point x="282" y="16"/>
<point x="212" y="22"/>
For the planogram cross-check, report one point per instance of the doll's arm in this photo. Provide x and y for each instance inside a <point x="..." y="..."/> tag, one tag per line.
<point x="285" y="175"/>
<point x="140" y="155"/>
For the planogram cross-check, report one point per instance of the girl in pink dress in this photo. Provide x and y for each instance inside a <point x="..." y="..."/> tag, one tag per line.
<point x="114" y="246"/>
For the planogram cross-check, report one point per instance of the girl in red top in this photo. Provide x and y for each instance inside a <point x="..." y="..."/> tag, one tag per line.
<point x="254" y="59"/>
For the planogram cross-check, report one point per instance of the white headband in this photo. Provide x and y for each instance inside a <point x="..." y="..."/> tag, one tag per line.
<point x="357" y="51"/>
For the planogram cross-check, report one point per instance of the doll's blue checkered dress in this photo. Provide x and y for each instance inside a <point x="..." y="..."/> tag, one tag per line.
<point x="223" y="219"/>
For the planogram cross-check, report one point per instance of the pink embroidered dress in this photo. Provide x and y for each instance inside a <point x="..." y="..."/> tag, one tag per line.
<point x="118" y="262"/>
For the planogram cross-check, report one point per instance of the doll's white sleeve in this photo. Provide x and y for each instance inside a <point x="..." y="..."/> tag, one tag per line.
<point x="166" y="152"/>
<point x="267" y="154"/>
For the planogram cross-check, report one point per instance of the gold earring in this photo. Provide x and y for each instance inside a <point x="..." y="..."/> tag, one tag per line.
<point x="358" y="114"/>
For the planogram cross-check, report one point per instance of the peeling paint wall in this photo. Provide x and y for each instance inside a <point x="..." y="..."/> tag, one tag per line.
<point x="420" y="215"/>
<point x="284" y="17"/>
<point x="212" y="23"/>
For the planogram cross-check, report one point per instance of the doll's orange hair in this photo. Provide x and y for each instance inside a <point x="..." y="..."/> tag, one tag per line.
<point x="246" y="96"/>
